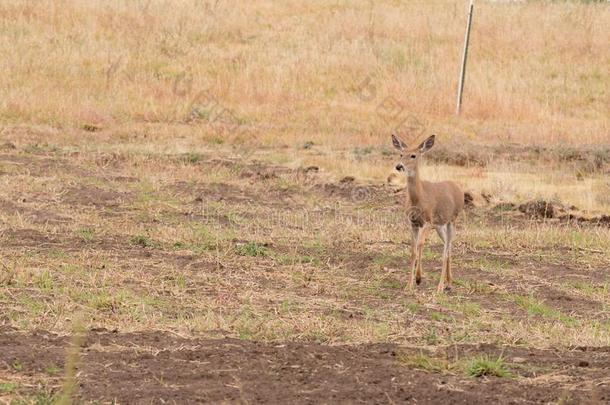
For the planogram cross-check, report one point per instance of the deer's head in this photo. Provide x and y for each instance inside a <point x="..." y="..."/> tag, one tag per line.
<point x="410" y="157"/>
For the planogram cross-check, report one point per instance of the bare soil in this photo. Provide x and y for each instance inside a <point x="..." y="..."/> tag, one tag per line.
<point x="157" y="367"/>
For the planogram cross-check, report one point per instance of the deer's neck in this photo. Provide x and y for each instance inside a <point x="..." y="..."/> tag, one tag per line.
<point x="414" y="186"/>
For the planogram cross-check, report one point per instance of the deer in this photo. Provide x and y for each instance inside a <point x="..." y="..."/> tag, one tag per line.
<point x="428" y="205"/>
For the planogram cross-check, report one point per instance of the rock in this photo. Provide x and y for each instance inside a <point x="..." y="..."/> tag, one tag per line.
<point x="539" y="209"/>
<point x="468" y="199"/>
<point x="476" y="200"/>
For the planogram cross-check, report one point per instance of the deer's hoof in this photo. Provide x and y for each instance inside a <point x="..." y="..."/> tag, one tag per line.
<point x="418" y="280"/>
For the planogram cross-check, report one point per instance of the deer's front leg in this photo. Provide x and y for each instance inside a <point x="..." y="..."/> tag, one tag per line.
<point x="416" y="232"/>
<point x="420" y="247"/>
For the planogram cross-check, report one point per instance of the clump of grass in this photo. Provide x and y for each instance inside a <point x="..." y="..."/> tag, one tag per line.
<point x="141" y="240"/>
<point x="485" y="366"/>
<point x="424" y="362"/>
<point x="41" y="398"/>
<point x="589" y="288"/>
<point x="45" y="281"/>
<point x="85" y="234"/>
<point x="292" y="259"/>
<point x="413" y="307"/>
<point x="103" y="302"/>
<point x="52" y="370"/>
<point x="8" y="387"/>
<point x="431" y="337"/>
<point x="251" y="249"/>
<point x="437" y="316"/>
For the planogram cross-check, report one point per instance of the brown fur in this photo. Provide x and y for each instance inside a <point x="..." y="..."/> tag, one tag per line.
<point x="428" y="204"/>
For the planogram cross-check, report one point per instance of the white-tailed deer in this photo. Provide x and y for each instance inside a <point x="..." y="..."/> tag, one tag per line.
<point x="428" y="204"/>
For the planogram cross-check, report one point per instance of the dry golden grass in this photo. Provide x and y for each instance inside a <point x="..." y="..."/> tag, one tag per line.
<point x="286" y="71"/>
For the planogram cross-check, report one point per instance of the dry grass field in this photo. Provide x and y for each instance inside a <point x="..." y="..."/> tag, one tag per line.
<point x="198" y="204"/>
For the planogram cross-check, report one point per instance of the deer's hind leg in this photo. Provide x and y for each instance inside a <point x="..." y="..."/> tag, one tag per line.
<point x="445" y="232"/>
<point x="416" y="236"/>
<point x="450" y="235"/>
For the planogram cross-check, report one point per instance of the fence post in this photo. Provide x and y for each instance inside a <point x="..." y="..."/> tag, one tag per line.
<point x="464" y="56"/>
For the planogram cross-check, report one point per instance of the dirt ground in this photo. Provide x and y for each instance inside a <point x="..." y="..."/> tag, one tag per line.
<point x="218" y="280"/>
<point x="157" y="367"/>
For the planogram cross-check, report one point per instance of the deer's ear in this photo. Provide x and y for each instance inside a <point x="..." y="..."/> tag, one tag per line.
<point x="427" y="144"/>
<point x="398" y="144"/>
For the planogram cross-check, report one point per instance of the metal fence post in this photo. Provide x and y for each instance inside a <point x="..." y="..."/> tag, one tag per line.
<point x="464" y="56"/>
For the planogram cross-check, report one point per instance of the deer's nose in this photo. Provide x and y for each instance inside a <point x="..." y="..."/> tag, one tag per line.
<point x="400" y="167"/>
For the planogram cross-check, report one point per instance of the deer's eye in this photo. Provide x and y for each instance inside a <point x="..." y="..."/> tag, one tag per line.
<point x="413" y="156"/>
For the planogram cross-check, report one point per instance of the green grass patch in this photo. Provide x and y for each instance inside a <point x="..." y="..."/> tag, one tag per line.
<point x="437" y="316"/>
<point x="57" y="253"/>
<point x="141" y="240"/>
<point x="535" y="307"/>
<point x="192" y="158"/>
<point x="251" y="249"/>
<point x="431" y="338"/>
<point x="413" y="307"/>
<point x="384" y="260"/>
<point x="52" y="370"/>
<point x="44" y="281"/>
<point x="204" y="239"/>
<point x="589" y="289"/>
<point x="424" y="362"/>
<point x="315" y="245"/>
<point x="85" y="234"/>
<point x="391" y="283"/>
<point x="467" y="308"/>
<point x="485" y="366"/>
<point x="8" y="387"/>
<point x="294" y="258"/>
